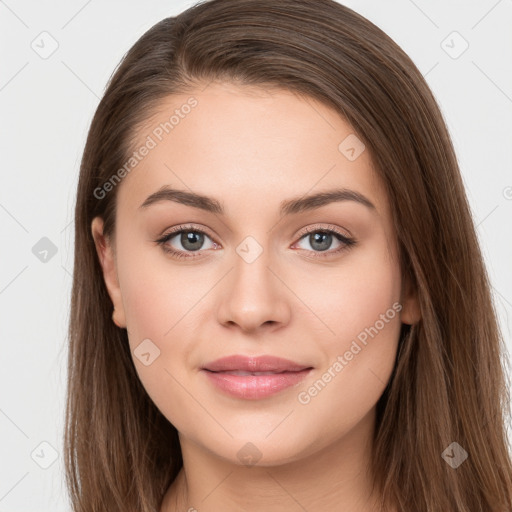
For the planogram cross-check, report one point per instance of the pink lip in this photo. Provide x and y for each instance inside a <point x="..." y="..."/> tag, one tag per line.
<point x="254" y="364"/>
<point x="286" y="373"/>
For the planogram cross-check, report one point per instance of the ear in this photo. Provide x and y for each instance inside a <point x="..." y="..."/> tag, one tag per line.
<point x="105" y="250"/>
<point x="411" y="313"/>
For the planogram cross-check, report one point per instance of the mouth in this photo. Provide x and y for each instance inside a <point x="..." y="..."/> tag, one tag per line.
<point x="264" y="364"/>
<point x="253" y="378"/>
<point x="245" y="374"/>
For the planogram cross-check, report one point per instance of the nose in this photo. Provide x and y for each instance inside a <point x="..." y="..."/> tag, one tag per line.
<point x="253" y="297"/>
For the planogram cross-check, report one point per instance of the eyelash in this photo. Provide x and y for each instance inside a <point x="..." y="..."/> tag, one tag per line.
<point x="331" y="230"/>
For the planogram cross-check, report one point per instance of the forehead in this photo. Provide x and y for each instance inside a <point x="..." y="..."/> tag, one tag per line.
<point x="247" y="145"/>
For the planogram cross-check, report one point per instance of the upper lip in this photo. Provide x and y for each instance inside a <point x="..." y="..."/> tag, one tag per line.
<point x="263" y="363"/>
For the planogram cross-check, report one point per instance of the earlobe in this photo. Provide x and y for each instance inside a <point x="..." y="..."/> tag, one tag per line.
<point x="106" y="257"/>
<point x="411" y="313"/>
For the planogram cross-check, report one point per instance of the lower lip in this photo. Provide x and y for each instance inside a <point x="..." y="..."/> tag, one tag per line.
<point x="254" y="387"/>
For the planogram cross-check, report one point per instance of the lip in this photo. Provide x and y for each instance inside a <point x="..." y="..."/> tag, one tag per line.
<point x="254" y="364"/>
<point x="284" y="374"/>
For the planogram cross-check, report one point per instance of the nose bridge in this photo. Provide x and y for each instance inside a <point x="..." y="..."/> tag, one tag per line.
<point x="254" y="296"/>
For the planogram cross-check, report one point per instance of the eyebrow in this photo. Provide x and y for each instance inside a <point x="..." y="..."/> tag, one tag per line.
<point x="287" y="207"/>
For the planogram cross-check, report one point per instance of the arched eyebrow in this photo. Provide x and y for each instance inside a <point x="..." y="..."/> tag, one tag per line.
<point x="314" y="201"/>
<point x="287" y="207"/>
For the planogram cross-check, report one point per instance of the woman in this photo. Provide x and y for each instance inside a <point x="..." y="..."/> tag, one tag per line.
<point x="279" y="301"/>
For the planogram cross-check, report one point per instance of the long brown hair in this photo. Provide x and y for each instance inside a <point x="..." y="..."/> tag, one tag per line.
<point x="448" y="384"/>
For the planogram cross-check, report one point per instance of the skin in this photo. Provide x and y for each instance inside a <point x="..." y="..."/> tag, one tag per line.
<point x="251" y="148"/>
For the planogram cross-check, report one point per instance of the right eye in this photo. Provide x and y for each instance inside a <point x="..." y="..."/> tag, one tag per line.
<point x="190" y="239"/>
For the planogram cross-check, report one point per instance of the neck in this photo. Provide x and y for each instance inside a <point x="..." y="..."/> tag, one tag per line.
<point x="335" y="478"/>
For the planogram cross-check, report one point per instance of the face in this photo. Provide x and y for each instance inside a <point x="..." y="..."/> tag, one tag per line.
<point x="258" y="269"/>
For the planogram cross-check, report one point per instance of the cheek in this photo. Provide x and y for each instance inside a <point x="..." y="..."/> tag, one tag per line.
<point x="159" y="315"/>
<point x="158" y="295"/>
<point x="347" y="387"/>
<point x="360" y="356"/>
<point x="162" y="302"/>
<point x="352" y="297"/>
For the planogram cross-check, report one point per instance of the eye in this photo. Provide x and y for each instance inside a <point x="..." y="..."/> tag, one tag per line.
<point x="320" y="240"/>
<point x="184" y="239"/>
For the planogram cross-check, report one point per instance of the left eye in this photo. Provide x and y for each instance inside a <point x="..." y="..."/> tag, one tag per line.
<point x="321" y="240"/>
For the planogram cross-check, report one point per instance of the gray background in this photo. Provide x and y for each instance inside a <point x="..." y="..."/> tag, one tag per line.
<point x="47" y="103"/>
